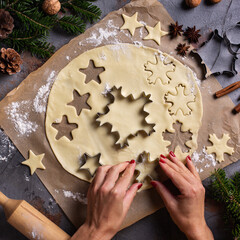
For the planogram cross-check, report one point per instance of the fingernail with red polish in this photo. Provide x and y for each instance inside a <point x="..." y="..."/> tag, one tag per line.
<point x="161" y="160"/>
<point x="162" y="156"/>
<point x="132" y="161"/>
<point x="140" y="185"/>
<point x="189" y="158"/>
<point x="154" y="184"/>
<point x="172" y="154"/>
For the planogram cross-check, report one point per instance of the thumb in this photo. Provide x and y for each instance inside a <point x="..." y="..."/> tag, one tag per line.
<point x="130" y="195"/>
<point x="167" y="197"/>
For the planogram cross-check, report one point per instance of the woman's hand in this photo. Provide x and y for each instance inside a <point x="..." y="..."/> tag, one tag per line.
<point x="109" y="198"/>
<point x="186" y="209"/>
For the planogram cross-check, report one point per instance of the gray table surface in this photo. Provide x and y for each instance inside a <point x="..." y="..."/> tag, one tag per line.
<point x="15" y="181"/>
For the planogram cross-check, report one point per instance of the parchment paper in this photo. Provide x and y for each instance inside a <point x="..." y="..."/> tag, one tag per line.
<point x="70" y="192"/>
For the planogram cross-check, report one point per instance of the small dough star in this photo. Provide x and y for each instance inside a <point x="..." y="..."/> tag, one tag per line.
<point x="131" y="23"/>
<point x="34" y="162"/>
<point x="155" y="33"/>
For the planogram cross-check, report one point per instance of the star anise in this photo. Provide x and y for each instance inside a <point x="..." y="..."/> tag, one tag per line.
<point x="175" y="29"/>
<point x="182" y="49"/>
<point x="192" y="34"/>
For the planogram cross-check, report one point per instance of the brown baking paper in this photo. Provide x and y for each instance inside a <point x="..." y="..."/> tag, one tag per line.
<point x="69" y="191"/>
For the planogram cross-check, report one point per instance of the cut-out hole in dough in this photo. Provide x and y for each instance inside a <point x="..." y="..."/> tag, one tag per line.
<point x="179" y="101"/>
<point x="159" y="71"/>
<point x="178" y="138"/>
<point x="126" y="123"/>
<point x="80" y="102"/>
<point x="90" y="163"/>
<point x="64" y="128"/>
<point x="92" y="72"/>
<point x="145" y="170"/>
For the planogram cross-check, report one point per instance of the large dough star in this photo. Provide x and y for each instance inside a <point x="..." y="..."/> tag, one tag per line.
<point x="131" y="23"/>
<point x="34" y="162"/>
<point x="155" y="33"/>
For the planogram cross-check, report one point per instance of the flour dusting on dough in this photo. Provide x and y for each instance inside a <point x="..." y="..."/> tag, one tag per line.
<point x="76" y="196"/>
<point x="40" y="101"/>
<point x="6" y="146"/>
<point x="18" y="113"/>
<point x="107" y="89"/>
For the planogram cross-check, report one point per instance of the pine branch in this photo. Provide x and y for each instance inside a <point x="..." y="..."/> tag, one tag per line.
<point x="72" y="24"/>
<point x="84" y="8"/>
<point x="32" y="25"/>
<point x="227" y="191"/>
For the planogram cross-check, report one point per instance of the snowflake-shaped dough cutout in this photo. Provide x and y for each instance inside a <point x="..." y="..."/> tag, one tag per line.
<point x="159" y="70"/>
<point x="126" y="123"/>
<point x="180" y="101"/>
<point x="219" y="146"/>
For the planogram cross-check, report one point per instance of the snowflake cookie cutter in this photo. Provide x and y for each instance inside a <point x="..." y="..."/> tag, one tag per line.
<point x="118" y="127"/>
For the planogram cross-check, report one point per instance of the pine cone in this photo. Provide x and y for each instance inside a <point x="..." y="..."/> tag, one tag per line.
<point x="10" y="61"/>
<point x="6" y="24"/>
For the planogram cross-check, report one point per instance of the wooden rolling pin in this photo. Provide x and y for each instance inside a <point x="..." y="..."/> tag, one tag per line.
<point x="29" y="221"/>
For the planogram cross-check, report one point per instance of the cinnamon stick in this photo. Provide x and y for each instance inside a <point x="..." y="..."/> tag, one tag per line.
<point x="237" y="108"/>
<point x="228" y="89"/>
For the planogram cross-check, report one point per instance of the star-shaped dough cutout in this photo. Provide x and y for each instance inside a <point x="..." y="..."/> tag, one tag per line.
<point x="219" y="146"/>
<point x="92" y="72"/>
<point x="64" y="128"/>
<point x="155" y="33"/>
<point x="34" y="162"/>
<point x="80" y="102"/>
<point x="91" y="164"/>
<point x="131" y="23"/>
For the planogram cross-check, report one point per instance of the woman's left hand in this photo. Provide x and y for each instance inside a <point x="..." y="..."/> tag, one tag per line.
<point x="109" y="198"/>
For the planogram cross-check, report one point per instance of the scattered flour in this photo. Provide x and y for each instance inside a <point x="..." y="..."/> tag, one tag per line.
<point x="204" y="159"/>
<point x="36" y="235"/>
<point x="138" y="43"/>
<point x="76" y="196"/>
<point x="107" y="89"/>
<point x="18" y="113"/>
<point x="40" y="101"/>
<point x="7" y="148"/>
<point x="108" y="34"/>
<point x="27" y="178"/>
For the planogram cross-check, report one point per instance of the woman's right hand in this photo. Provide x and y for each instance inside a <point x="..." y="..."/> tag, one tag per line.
<point x="186" y="209"/>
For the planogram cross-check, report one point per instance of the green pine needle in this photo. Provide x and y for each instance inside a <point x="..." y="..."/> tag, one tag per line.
<point x="72" y="24"/>
<point x="85" y="9"/>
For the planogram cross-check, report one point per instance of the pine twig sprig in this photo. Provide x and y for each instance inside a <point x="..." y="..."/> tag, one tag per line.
<point x="227" y="191"/>
<point x="72" y="24"/>
<point x="83" y="8"/>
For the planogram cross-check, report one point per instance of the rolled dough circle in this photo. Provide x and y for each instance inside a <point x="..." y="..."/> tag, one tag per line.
<point x="135" y="69"/>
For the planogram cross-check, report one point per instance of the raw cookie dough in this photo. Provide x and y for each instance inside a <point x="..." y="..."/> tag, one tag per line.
<point x="155" y="33"/>
<point x="34" y="162"/>
<point x="219" y="146"/>
<point x="124" y="68"/>
<point x="131" y="23"/>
